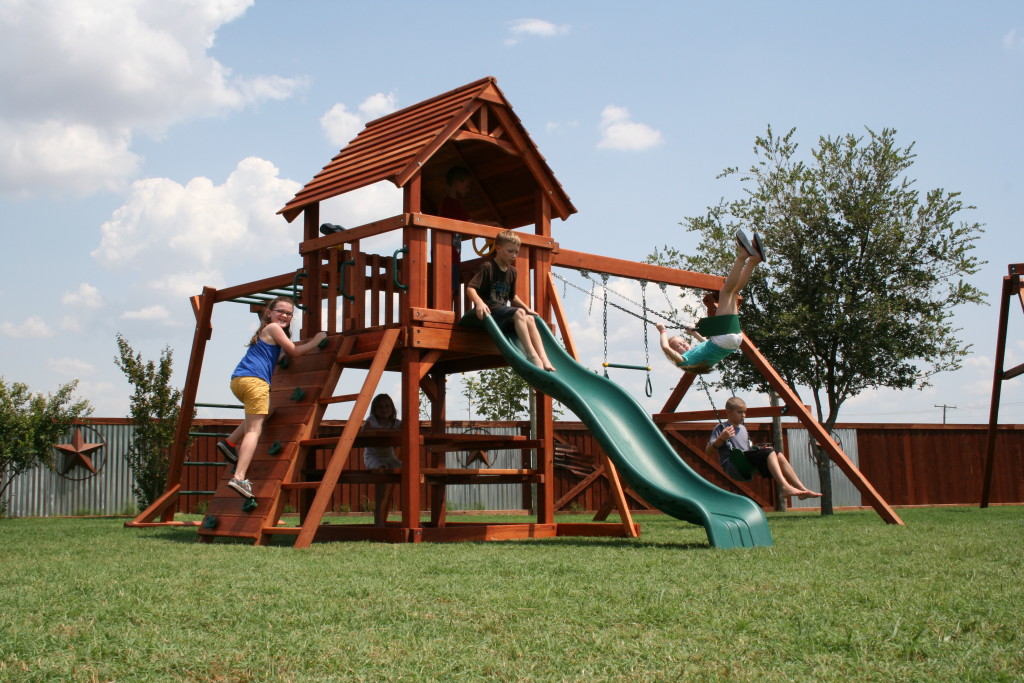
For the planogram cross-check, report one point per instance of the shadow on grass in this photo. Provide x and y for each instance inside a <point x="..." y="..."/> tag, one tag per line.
<point x="190" y="535"/>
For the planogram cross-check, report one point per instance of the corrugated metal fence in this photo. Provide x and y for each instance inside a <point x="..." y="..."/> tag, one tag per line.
<point x="844" y="493"/>
<point x="41" y="492"/>
<point x="907" y="464"/>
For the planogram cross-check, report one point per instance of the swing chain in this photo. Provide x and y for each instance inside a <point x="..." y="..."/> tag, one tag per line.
<point x="648" y="388"/>
<point x="604" y="280"/>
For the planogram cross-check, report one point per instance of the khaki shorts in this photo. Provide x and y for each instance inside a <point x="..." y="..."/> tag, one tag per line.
<point x="254" y="394"/>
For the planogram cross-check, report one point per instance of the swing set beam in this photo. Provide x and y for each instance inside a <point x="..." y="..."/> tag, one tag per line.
<point x="702" y="415"/>
<point x="578" y="260"/>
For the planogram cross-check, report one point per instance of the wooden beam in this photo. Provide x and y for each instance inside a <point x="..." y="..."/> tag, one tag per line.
<point x="409" y="490"/>
<point x="619" y="498"/>
<point x="680" y="390"/>
<point x="578" y="260"/>
<point x="817" y="432"/>
<point x="470" y="229"/>
<point x="1011" y="284"/>
<point x="434" y="315"/>
<point x="704" y="415"/>
<point x="560" y="318"/>
<point x="340" y="239"/>
<point x="508" y="147"/>
<point x="201" y="335"/>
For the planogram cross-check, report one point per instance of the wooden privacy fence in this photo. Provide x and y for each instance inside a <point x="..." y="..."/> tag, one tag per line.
<point x="908" y="464"/>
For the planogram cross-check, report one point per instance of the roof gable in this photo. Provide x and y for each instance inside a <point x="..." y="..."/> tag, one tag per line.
<point x="472" y="126"/>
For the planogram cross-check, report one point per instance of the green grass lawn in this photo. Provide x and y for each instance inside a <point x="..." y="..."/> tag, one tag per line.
<point x="840" y="598"/>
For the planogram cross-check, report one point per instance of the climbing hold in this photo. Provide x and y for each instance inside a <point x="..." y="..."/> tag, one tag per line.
<point x="274" y="448"/>
<point x="285" y="360"/>
<point x="249" y="505"/>
<point x="323" y="343"/>
<point x="209" y="522"/>
<point x="298" y="394"/>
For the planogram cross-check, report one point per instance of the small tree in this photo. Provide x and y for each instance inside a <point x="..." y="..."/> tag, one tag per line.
<point x="155" y="405"/>
<point x="29" y="426"/>
<point x="864" y="275"/>
<point x="498" y="394"/>
<point x="501" y="394"/>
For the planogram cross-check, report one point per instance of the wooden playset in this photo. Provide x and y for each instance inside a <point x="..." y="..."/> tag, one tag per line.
<point x="399" y="313"/>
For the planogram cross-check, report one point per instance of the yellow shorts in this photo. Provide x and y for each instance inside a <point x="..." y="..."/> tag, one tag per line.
<point x="254" y="394"/>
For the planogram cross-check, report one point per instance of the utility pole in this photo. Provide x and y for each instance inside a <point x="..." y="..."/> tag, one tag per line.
<point x="944" y="407"/>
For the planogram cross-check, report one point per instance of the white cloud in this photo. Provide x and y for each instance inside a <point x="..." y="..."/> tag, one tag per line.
<point x="341" y="126"/>
<point x="70" y="323"/>
<point x="619" y="132"/>
<point x="168" y="231"/>
<point x="556" y="127"/>
<point x="71" y="366"/>
<point x="367" y="204"/>
<point x="540" y="28"/>
<point x="185" y="284"/>
<point x="1012" y="40"/>
<point x="86" y="296"/>
<point x="78" y="157"/>
<point x="155" y="313"/>
<point x="379" y="104"/>
<point x="31" y="328"/>
<point x="79" y="79"/>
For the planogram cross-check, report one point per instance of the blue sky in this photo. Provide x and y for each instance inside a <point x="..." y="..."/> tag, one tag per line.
<point x="145" y="147"/>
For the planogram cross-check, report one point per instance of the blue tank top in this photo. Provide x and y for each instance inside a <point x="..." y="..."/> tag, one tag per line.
<point x="259" y="361"/>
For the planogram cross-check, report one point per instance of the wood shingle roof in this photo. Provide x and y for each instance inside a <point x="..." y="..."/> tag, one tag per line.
<point x="472" y="126"/>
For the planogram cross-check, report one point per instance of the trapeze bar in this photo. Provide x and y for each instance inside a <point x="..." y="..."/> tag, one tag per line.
<point x="627" y="367"/>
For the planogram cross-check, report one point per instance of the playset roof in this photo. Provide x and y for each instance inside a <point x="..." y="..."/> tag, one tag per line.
<point x="472" y="126"/>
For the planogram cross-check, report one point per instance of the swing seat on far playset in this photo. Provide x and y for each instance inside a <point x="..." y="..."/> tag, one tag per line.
<point x="719" y="324"/>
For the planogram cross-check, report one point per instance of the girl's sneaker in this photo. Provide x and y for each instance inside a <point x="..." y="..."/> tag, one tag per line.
<point x="228" y="451"/>
<point x="242" y="486"/>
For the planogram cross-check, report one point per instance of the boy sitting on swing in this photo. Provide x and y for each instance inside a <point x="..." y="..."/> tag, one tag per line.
<point x="723" y="324"/>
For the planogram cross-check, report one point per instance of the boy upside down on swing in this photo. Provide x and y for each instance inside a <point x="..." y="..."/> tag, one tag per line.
<point x="725" y="338"/>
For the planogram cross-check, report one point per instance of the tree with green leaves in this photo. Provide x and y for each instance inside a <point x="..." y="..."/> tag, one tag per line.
<point x="155" y="405"/>
<point x="864" y="274"/>
<point x="500" y="394"/>
<point x="497" y="394"/>
<point x="30" y="424"/>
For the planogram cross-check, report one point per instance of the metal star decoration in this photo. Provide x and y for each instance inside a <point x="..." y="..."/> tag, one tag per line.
<point x="78" y="453"/>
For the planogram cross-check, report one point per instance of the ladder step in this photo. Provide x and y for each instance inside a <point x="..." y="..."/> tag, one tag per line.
<point x="338" y="399"/>
<point x="442" y="471"/>
<point x="288" y="530"/>
<point x="357" y="357"/>
<point x="322" y="441"/>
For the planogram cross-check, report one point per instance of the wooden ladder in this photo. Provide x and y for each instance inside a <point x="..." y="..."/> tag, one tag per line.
<point x="301" y="393"/>
<point x="324" y="489"/>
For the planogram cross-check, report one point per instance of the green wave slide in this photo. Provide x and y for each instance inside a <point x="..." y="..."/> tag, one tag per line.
<point x="640" y="451"/>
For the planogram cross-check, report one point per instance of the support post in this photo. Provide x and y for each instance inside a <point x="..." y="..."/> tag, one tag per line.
<point x="1011" y="286"/>
<point x="818" y="433"/>
<point x="410" y="443"/>
<point x="311" y="287"/>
